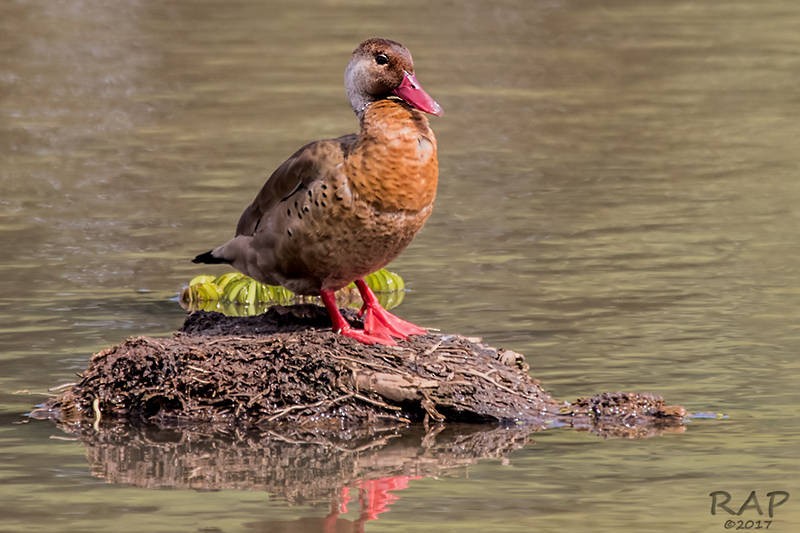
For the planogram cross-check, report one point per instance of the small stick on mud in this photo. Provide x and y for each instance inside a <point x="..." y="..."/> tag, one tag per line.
<point x="97" y="414"/>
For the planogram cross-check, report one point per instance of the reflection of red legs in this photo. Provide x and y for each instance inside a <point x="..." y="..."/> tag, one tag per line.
<point x="338" y="506"/>
<point x="380" y="322"/>
<point x="344" y="499"/>
<point x="375" y="496"/>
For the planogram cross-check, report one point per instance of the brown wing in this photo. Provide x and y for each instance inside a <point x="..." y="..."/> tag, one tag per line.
<point x="294" y="175"/>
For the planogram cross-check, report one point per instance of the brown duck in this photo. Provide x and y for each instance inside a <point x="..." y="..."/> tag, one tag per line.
<point x="341" y="208"/>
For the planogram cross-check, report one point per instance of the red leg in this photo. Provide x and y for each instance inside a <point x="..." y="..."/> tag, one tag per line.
<point x="379" y="321"/>
<point x="341" y="326"/>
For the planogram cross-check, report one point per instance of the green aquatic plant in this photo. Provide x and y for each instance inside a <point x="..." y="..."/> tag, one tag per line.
<point x="235" y="294"/>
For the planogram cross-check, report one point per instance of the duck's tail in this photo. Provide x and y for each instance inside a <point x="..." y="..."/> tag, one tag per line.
<point x="209" y="258"/>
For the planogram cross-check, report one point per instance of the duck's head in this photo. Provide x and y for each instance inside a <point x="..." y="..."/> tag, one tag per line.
<point x="380" y="69"/>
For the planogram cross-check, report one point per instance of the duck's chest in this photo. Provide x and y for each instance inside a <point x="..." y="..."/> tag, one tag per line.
<point x="394" y="165"/>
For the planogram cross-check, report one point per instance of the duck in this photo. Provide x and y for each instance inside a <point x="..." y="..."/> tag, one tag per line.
<point x="339" y="209"/>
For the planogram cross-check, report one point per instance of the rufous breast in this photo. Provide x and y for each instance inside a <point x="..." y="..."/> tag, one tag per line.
<point x="393" y="165"/>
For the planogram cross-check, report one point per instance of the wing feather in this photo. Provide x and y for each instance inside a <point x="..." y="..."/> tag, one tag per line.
<point x="297" y="173"/>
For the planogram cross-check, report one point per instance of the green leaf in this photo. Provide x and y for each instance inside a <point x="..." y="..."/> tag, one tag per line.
<point x="235" y="294"/>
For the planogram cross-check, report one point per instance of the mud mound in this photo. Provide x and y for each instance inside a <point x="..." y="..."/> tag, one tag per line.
<point x="286" y="369"/>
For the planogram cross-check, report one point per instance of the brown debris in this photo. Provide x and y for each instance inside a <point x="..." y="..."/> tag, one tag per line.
<point x="624" y="414"/>
<point x="286" y="371"/>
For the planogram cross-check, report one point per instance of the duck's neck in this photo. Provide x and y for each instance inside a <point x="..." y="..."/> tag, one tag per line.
<point x="359" y="108"/>
<point x="386" y="113"/>
<point x="360" y="102"/>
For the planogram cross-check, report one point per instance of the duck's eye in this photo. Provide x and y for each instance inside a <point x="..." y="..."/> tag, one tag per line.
<point x="381" y="59"/>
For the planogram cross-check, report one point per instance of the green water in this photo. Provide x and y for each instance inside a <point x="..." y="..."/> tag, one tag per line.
<point x="619" y="201"/>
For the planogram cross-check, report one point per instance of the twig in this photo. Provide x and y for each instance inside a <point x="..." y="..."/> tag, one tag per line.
<point x="255" y="398"/>
<point x="395" y="418"/>
<point x="382" y="440"/>
<point x="379" y="442"/>
<point x="376" y="402"/>
<point x="433" y="348"/>
<point x="230" y="338"/>
<point x="97" y="414"/>
<point x="62" y="386"/>
<point x="152" y="342"/>
<point x="496" y="384"/>
<point x="362" y="362"/>
<point x="307" y="406"/>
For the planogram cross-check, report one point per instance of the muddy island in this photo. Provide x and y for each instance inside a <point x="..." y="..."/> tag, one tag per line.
<point x="285" y="370"/>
